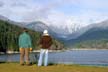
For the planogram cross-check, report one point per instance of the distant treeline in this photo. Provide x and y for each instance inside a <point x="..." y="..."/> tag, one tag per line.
<point x="99" y="44"/>
<point x="9" y="35"/>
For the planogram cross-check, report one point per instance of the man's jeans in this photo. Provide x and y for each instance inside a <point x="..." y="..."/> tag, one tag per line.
<point x="43" y="54"/>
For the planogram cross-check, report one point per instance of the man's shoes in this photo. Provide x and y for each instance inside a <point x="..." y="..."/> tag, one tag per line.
<point x="29" y="64"/>
<point x="22" y="64"/>
<point x="26" y="64"/>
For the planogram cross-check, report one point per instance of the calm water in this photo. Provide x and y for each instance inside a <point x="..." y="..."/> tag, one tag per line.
<point x="85" y="57"/>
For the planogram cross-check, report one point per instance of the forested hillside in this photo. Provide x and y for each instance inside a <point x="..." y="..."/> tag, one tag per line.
<point x="97" y="44"/>
<point x="9" y="34"/>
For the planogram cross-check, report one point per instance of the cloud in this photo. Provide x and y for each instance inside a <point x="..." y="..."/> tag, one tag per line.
<point x="1" y="4"/>
<point x="29" y="10"/>
<point x="89" y="11"/>
<point x="88" y="3"/>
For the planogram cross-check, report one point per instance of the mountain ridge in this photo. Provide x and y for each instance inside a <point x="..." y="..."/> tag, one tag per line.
<point x="93" y="31"/>
<point x="97" y="31"/>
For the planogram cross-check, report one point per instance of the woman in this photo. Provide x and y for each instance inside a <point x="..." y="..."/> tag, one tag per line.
<point x="45" y="42"/>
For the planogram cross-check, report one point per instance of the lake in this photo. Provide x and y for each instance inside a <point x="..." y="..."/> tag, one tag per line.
<point x="83" y="57"/>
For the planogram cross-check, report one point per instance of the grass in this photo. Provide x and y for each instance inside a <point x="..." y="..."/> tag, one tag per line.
<point x="15" y="67"/>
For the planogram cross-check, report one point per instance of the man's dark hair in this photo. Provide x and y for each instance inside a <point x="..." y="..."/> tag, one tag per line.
<point x="25" y="30"/>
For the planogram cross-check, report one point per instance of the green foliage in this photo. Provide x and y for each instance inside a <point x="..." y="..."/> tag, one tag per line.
<point x="9" y="35"/>
<point x="100" y="44"/>
<point x="57" y="45"/>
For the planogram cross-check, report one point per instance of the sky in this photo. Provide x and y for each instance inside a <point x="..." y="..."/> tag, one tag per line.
<point x="56" y="12"/>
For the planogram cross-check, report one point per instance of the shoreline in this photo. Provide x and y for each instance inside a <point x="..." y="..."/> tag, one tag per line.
<point x="74" y="49"/>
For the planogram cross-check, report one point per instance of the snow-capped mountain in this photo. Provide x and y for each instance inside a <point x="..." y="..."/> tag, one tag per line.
<point x="65" y="29"/>
<point x="40" y="26"/>
<point x="62" y="32"/>
<point x="95" y="31"/>
<point x="37" y="26"/>
<point x="81" y="31"/>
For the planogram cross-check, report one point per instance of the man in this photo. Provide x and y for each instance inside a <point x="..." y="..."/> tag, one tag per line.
<point x="45" y="42"/>
<point x="25" y="47"/>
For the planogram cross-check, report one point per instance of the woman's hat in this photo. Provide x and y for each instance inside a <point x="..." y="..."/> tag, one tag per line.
<point x="45" y="32"/>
